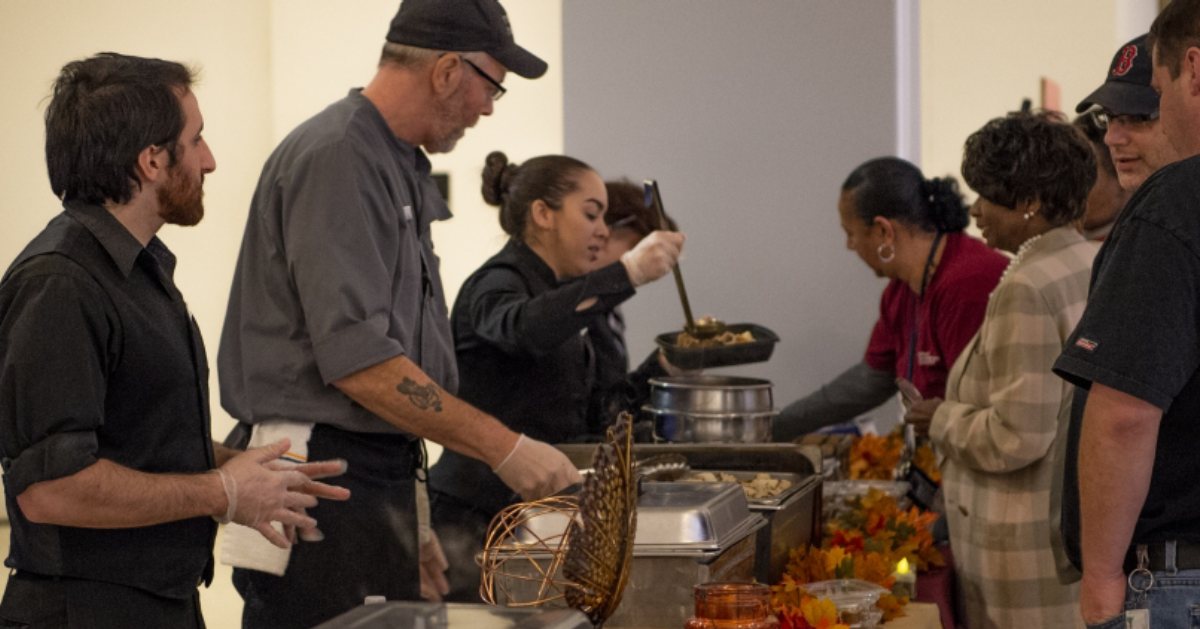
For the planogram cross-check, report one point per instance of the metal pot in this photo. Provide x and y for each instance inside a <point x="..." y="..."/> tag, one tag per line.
<point x="690" y="427"/>
<point x="711" y="394"/>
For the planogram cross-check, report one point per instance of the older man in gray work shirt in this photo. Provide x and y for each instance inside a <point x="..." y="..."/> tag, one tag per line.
<point x="337" y="319"/>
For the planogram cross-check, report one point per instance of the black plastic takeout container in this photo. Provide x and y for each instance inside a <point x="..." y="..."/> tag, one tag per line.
<point x="756" y="351"/>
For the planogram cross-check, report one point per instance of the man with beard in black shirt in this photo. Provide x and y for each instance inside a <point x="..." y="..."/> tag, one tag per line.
<point x="113" y="485"/>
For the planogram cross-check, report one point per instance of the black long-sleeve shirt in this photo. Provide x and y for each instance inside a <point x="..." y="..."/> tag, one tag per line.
<point x="100" y="359"/>
<point x="526" y="355"/>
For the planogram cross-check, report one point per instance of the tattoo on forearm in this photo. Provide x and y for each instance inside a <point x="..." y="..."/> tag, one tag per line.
<point x="423" y="397"/>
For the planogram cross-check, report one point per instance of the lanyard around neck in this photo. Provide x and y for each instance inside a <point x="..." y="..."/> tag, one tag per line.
<point x="925" y="277"/>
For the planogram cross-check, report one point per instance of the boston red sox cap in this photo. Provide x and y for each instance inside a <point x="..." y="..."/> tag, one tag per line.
<point x="463" y="26"/>
<point x="1126" y="89"/>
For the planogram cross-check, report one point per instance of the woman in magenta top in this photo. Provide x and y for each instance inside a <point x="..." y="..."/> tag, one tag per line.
<point x="909" y="229"/>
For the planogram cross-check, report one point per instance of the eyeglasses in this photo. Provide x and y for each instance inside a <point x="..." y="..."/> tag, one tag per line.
<point x="498" y="90"/>
<point x="1104" y="119"/>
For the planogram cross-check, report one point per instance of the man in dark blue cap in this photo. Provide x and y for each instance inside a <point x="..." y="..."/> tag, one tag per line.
<point x="1127" y="107"/>
<point x="337" y="333"/>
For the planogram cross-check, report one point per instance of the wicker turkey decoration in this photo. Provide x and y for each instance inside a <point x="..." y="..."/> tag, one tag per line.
<point x="587" y="561"/>
<point x="600" y="551"/>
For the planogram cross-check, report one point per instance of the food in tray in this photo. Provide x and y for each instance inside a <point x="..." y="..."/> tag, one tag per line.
<point x="762" y="487"/>
<point x="725" y="338"/>
<point x="831" y="444"/>
<point x="699" y="348"/>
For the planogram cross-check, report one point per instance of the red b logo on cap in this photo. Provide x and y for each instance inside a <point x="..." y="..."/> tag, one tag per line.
<point x="1125" y="60"/>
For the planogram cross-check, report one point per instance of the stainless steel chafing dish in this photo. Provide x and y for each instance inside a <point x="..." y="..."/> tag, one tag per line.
<point x="793" y="517"/>
<point x="672" y="518"/>
<point x="687" y="533"/>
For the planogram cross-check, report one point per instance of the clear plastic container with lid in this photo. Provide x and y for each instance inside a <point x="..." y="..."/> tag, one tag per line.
<point x="854" y="598"/>
<point x="732" y="606"/>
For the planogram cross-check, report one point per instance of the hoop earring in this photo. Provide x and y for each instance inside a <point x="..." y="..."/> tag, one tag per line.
<point x="891" y="252"/>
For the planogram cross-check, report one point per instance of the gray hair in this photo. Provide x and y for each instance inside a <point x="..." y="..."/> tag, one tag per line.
<point x="407" y="56"/>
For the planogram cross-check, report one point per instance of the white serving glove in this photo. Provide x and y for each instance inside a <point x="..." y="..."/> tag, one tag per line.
<point x="653" y="257"/>
<point x="258" y="495"/>
<point x="535" y="469"/>
<point x="313" y="470"/>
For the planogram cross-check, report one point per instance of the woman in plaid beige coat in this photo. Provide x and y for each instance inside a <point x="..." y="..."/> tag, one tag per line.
<point x="1001" y="429"/>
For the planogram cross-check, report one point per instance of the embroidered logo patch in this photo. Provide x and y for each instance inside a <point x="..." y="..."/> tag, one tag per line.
<point x="1087" y="345"/>
<point x="925" y="359"/>
<point x="1125" y="61"/>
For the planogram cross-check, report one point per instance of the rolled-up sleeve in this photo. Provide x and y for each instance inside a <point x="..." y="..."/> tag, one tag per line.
<point x="56" y="338"/>
<point x="343" y="289"/>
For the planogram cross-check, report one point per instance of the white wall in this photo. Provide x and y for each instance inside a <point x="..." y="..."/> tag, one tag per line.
<point x="1132" y="18"/>
<point x="224" y="39"/>
<point x="749" y="115"/>
<point x="979" y="59"/>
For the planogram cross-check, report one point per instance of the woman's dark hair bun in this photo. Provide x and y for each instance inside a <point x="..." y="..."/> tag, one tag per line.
<point x="514" y="189"/>
<point x="946" y="206"/>
<point x="497" y="174"/>
<point x="895" y="188"/>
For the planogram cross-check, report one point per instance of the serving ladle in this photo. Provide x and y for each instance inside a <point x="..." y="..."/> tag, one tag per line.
<point x="704" y="327"/>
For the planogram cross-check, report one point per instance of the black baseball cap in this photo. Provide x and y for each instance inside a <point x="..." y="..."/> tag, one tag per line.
<point x="1126" y="89"/>
<point x="463" y="26"/>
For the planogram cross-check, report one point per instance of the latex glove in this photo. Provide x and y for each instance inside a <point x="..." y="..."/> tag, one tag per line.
<point x="653" y="257"/>
<point x="313" y="470"/>
<point x="535" y="469"/>
<point x="258" y="495"/>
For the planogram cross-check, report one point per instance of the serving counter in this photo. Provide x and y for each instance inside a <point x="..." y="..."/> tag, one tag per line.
<point x="415" y="615"/>
<point x="793" y="518"/>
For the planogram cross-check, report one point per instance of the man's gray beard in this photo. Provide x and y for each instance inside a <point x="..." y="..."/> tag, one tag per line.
<point x="445" y="144"/>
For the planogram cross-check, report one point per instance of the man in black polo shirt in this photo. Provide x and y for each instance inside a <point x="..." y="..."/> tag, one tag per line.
<point x="1131" y="500"/>
<point x="111" y="478"/>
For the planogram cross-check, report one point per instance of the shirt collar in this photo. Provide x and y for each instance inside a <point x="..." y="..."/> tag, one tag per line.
<point x="411" y="157"/>
<point x="121" y="246"/>
<point x="528" y="256"/>
<point x="163" y="256"/>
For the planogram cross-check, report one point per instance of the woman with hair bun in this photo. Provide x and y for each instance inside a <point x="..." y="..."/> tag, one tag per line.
<point x="522" y="332"/>
<point x="908" y="229"/>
